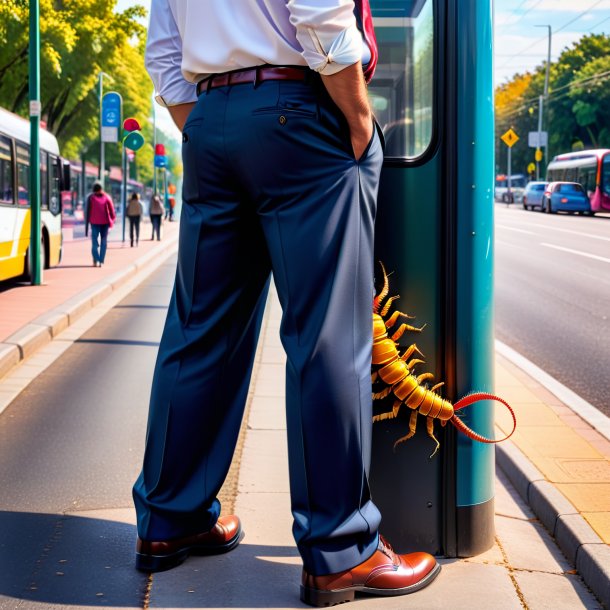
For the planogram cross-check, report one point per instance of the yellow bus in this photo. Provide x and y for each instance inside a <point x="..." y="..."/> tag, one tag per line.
<point x="15" y="196"/>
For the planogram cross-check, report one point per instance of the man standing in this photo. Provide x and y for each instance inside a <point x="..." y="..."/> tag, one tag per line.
<point x="281" y="169"/>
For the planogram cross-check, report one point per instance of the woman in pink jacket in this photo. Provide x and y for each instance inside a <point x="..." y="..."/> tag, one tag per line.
<point x="101" y="215"/>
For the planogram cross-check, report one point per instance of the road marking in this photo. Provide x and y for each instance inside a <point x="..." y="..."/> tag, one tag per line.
<point x="594" y="256"/>
<point x="515" y="229"/>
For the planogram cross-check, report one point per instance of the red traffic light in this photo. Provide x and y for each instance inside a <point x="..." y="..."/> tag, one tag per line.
<point x="160" y="149"/>
<point x="131" y="125"/>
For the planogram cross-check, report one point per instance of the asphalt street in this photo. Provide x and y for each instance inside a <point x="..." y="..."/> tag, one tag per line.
<point x="70" y="449"/>
<point x="552" y="292"/>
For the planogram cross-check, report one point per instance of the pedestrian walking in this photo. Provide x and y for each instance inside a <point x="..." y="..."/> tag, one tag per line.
<point x="156" y="214"/>
<point x="281" y="169"/>
<point x="134" y="215"/>
<point x="100" y="214"/>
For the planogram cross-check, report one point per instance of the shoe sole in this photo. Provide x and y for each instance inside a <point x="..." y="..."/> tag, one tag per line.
<point x="323" y="599"/>
<point x="159" y="563"/>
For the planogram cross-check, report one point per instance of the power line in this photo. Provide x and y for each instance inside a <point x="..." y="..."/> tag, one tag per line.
<point x="563" y="27"/>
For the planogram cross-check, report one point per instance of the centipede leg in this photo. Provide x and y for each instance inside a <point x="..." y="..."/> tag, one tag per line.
<point x="385" y="392"/>
<point x="390" y="414"/>
<point x="430" y="428"/>
<point x="412" y="427"/>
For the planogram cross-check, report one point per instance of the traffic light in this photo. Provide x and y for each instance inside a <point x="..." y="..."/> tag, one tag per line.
<point x="132" y="137"/>
<point x="160" y="157"/>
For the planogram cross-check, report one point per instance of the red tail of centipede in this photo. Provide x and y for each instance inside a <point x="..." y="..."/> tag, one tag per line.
<point x="471" y="399"/>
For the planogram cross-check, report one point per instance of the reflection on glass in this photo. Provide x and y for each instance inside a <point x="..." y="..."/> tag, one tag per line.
<point x="606" y="175"/>
<point x="402" y="90"/>
<point x="23" y="175"/>
<point x="6" y="170"/>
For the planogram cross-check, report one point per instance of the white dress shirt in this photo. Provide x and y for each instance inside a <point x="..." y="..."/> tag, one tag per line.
<point x="191" y="39"/>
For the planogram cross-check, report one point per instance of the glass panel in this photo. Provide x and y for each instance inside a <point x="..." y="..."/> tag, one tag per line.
<point x="402" y="90"/>
<point x="44" y="180"/>
<point x="54" y="183"/>
<point x="6" y="170"/>
<point x="606" y="175"/>
<point x="23" y="174"/>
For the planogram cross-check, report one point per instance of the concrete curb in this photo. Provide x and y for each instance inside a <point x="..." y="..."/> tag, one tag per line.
<point x="575" y="537"/>
<point x="43" y="329"/>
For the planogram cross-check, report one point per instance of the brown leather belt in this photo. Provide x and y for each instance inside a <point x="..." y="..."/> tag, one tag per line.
<point x="252" y="76"/>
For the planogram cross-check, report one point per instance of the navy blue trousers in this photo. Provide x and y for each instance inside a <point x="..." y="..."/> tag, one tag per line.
<point x="270" y="185"/>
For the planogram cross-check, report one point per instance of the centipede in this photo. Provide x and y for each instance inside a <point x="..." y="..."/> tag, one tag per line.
<point x="394" y="374"/>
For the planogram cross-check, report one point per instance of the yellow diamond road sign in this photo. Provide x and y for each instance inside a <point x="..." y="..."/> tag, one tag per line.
<point x="510" y="138"/>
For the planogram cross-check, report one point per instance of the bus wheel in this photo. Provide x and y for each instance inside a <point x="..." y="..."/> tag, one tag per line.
<point x="43" y="259"/>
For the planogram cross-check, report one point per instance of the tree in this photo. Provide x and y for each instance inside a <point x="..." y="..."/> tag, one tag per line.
<point x="575" y="112"/>
<point x="79" y="39"/>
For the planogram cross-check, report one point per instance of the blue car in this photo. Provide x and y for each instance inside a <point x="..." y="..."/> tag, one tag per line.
<point x="534" y="195"/>
<point x="566" y="197"/>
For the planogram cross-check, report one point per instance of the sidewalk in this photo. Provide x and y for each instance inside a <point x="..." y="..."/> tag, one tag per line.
<point x="33" y="315"/>
<point x="552" y="485"/>
<point x="524" y="569"/>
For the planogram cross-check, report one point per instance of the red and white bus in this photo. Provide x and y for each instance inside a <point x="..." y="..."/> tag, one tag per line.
<point x="591" y="168"/>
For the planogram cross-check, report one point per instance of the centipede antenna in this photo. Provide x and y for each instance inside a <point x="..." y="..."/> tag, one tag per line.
<point x="384" y="291"/>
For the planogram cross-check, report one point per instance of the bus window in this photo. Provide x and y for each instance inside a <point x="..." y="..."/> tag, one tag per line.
<point x="402" y="91"/>
<point x="54" y="199"/>
<point x="6" y="171"/>
<point x="606" y="175"/>
<point x="23" y="174"/>
<point x="44" y="179"/>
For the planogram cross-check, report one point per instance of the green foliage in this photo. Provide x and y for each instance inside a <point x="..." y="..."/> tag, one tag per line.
<point x="575" y="114"/>
<point x="79" y="39"/>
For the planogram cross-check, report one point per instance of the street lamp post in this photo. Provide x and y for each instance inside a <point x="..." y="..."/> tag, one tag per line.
<point x="102" y="147"/>
<point x="34" y="94"/>
<point x="541" y="99"/>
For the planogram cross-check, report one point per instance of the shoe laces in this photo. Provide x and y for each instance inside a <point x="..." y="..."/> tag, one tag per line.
<point x="386" y="548"/>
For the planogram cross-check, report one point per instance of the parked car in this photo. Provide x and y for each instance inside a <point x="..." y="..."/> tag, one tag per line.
<point x="533" y="195"/>
<point x="566" y="197"/>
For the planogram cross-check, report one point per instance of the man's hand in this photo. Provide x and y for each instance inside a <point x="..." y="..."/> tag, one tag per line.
<point x="348" y="90"/>
<point x="180" y="113"/>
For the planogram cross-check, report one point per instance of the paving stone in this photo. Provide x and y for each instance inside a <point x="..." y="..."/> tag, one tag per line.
<point x="29" y="338"/>
<point x="267" y="413"/>
<point x="547" y="502"/>
<point x="587" y="497"/>
<point x="600" y="522"/>
<point x="572" y="531"/>
<point x="508" y="503"/>
<point x="529" y="546"/>
<point x="554" y="591"/>
<point x="9" y="357"/>
<point x="266" y="518"/>
<point x="264" y="466"/>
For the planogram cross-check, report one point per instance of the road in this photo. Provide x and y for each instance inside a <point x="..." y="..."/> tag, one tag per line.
<point x="552" y="287"/>
<point x="70" y="449"/>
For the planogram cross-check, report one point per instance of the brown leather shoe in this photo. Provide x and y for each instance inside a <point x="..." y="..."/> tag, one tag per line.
<point x="385" y="573"/>
<point x="166" y="554"/>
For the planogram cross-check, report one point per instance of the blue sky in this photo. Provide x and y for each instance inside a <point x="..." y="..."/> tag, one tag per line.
<point x="520" y="46"/>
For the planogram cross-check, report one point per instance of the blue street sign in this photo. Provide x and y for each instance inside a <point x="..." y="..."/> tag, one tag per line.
<point x="111" y="116"/>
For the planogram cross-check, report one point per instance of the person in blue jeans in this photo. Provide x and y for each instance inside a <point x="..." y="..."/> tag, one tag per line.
<point x="100" y="214"/>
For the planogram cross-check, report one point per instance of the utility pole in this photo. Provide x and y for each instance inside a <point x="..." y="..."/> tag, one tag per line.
<point x="541" y="100"/>
<point x="102" y="146"/>
<point x="35" y="108"/>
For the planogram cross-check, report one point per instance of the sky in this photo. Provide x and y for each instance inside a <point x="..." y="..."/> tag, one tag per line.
<point x="519" y="44"/>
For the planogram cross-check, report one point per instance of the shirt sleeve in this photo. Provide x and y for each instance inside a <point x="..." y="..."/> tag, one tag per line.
<point x="327" y="31"/>
<point x="164" y="57"/>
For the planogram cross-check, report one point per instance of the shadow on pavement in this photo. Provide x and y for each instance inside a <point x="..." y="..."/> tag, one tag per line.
<point x="70" y="560"/>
